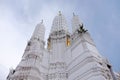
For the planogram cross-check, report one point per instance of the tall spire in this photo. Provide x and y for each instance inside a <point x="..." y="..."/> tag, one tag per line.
<point x="39" y="31"/>
<point x="59" y="23"/>
<point x="29" y="66"/>
<point x="76" y="23"/>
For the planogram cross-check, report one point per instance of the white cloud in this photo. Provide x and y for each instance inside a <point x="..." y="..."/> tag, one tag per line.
<point x="11" y="48"/>
<point x="3" y="72"/>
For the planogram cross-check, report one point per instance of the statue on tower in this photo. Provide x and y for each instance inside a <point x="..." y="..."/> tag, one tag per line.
<point x="81" y="29"/>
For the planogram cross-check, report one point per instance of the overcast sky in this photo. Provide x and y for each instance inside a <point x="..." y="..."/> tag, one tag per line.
<point x="18" y="19"/>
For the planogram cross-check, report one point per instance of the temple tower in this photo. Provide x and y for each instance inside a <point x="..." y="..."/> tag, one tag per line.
<point x="57" y="46"/>
<point x="30" y="66"/>
<point x="68" y="56"/>
<point x="83" y="59"/>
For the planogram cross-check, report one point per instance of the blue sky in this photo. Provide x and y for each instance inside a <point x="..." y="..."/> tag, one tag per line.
<point x="18" y="19"/>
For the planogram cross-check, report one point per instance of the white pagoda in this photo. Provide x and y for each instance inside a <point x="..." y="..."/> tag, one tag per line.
<point x="68" y="56"/>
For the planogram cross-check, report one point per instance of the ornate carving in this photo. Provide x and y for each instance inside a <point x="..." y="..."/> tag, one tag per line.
<point x="57" y="75"/>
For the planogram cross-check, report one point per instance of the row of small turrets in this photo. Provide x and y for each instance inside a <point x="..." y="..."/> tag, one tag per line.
<point x="60" y="23"/>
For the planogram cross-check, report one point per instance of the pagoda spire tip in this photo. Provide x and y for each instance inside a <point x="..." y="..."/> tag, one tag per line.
<point x="73" y="14"/>
<point x="60" y="13"/>
<point x="42" y="21"/>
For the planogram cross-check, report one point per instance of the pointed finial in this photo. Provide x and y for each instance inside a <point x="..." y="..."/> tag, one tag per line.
<point x="73" y="14"/>
<point x="60" y="13"/>
<point x="41" y="21"/>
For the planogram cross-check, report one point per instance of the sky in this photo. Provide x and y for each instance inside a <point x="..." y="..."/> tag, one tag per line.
<point x="18" y="19"/>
